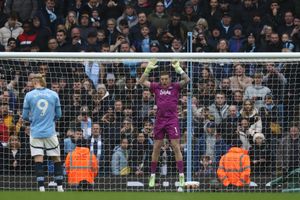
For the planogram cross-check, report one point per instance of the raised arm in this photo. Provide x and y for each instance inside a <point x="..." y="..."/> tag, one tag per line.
<point x="144" y="78"/>
<point x="184" y="77"/>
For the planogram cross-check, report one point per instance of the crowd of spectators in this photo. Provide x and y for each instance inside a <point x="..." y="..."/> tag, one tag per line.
<point x="102" y="102"/>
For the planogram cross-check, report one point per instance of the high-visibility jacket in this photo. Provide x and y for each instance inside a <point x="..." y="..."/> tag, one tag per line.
<point x="81" y="165"/>
<point x="234" y="167"/>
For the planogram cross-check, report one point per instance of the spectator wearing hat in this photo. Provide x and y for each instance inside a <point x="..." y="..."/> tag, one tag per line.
<point x="260" y="155"/>
<point x="250" y="44"/>
<point x="226" y="26"/>
<point x="159" y="18"/>
<point x="84" y="26"/>
<point x="236" y="41"/>
<point x="12" y="28"/>
<point x="154" y="46"/>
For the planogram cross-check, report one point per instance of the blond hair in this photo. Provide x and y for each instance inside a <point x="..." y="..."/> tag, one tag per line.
<point x="41" y="79"/>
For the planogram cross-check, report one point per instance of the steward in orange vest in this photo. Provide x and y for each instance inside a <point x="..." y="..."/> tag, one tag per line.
<point x="234" y="167"/>
<point x="81" y="164"/>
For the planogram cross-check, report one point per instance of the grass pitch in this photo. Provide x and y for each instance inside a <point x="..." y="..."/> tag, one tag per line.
<point x="145" y="196"/>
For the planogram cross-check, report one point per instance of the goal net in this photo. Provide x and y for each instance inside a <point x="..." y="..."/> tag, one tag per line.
<point x="251" y="98"/>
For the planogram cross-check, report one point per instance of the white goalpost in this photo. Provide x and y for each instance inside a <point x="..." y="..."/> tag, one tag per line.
<point x="249" y="97"/>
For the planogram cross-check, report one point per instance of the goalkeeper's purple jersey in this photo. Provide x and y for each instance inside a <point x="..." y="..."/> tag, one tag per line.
<point x="166" y="100"/>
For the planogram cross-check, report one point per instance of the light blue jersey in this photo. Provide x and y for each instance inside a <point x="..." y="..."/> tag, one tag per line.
<point x="42" y="108"/>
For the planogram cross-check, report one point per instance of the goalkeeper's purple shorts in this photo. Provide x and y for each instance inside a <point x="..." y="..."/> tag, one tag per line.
<point x="169" y="127"/>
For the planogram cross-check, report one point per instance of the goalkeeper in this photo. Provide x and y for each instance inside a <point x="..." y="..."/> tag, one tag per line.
<point x="166" y="122"/>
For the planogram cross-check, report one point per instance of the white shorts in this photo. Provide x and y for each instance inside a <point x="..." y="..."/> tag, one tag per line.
<point x="50" y="145"/>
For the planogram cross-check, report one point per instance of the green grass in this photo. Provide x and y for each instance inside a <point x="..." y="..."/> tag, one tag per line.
<point x="145" y="196"/>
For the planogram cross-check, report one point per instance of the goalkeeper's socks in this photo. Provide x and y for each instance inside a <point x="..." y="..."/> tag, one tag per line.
<point x="153" y="167"/>
<point x="180" y="166"/>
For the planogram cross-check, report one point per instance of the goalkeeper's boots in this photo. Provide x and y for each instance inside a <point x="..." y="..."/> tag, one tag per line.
<point x="60" y="188"/>
<point x="181" y="180"/>
<point x="42" y="189"/>
<point x="152" y="181"/>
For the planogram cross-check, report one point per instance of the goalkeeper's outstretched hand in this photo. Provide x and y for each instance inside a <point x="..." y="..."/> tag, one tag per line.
<point x="151" y="65"/>
<point x="176" y="66"/>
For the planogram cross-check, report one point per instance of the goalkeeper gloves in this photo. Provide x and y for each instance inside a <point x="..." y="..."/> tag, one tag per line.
<point x="151" y="65"/>
<point x="176" y="66"/>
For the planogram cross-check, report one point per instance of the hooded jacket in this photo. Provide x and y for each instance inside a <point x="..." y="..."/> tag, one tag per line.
<point x="81" y="165"/>
<point x="7" y="32"/>
<point x="234" y="167"/>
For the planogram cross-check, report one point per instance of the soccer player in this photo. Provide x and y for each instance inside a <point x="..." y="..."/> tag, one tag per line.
<point x="166" y="98"/>
<point x="42" y="108"/>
